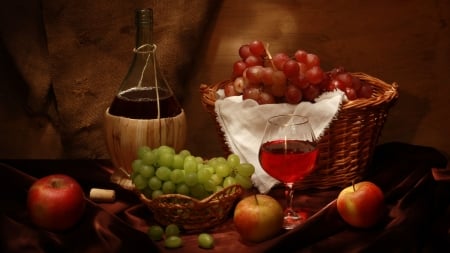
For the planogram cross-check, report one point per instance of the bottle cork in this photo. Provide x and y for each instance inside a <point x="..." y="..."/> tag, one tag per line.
<point x="102" y="195"/>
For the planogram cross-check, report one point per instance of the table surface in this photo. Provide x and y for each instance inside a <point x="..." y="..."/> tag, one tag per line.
<point x="418" y="215"/>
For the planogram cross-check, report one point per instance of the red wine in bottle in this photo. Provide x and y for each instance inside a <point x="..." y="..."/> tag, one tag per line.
<point x="142" y="103"/>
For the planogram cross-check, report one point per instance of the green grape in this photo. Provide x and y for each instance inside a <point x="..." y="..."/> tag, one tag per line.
<point x="209" y="185"/>
<point x="212" y="162"/>
<point x="233" y="160"/>
<point x="198" y="191"/>
<point x="245" y="169"/>
<point x="183" y="189"/>
<point x="190" y="178"/>
<point x="184" y="153"/>
<point x="245" y="182"/>
<point x="178" y="162"/>
<point x="154" y="183"/>
<point x="173" y="242"/>
<point x="165" y="159"/>
<point x="168" y="187"/>
<point x="155" y="233"/>
<point x="203" y="175"/>
<point x="205" y="241"/>
<point x="177" y="176"/>
<point x="216" y="179"/>
<point x="163" y="173"/>
<point x="199" y="159"/>
<point x="147" y="171"/>
<point x="136" y="165"/>
<point x="209" y="168"/>
<point x="172" y="230"/>
<point x="221" y="159"/>
<point x="150" y="157"/>
<point x="229" y="181"/>
<point x="223" y="170"/>
<point x="157" y="193"/>
<point x="190" y="164"/>
<point x="166" y="149"/>
<point x="140" y="182"/>
<point x="142" y="150"/>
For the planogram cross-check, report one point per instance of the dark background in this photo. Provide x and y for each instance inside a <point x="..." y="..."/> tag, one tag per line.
<point x="62" y="61"/>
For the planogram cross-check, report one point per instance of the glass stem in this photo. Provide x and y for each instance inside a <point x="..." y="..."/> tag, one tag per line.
<point x="289" y="193"/>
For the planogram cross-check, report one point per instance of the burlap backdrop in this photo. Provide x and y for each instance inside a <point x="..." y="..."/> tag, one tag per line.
<point x="73" y="56"/>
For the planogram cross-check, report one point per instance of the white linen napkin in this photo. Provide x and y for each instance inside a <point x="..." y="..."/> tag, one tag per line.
<point x="243" y="123"/>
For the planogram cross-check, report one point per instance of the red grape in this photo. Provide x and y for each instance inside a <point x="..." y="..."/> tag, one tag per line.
<point x="253" y="61"/>
<point x="314" y="75"/>
<point x="283" y="78"/>
<point x="293" y="94"/>
<point x="365" y="91"/>
<point x="257" y="48"/>
<point x="279" y="83"/>
<point x="291" y="68"/>
<point x="351" y="93"/>
<point x="244" y="52"/>
<point x="279" y="59"/>
<point x="345" y="78"/>
<point x="238" y="68"/>
<point x="300" y="56"/>
<point x="312" y="60"/>
<point x="356" y="83"/>
<point x="251" y="93"/>
<point x="239" y="84"/>
<point x="300" y="81"/>
<point x="311" y="93"/>
<point x="338" y="84"/>
<point x="267" y="74"/>
<point x="265" y="98"/>
<point x="253" y="74"/>
<point x="229" y="90"/>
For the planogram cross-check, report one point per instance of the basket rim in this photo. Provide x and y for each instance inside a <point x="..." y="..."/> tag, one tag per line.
<point x="390" y="92"/>
<point x="234" y="189"/>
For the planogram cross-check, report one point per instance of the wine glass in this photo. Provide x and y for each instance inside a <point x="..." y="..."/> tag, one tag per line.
<point x="288" y="153"/>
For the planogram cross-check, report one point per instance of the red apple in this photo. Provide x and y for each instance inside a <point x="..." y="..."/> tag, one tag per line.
<point x="361" y="205"/>
<point x="258" y="217"/>
<point x="55" y="202"/>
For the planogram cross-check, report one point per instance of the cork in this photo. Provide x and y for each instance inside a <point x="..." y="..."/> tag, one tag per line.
<point x="102" y="195"/>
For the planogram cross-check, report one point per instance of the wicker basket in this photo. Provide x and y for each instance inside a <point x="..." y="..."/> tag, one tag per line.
<point x="346" y="146"/>
<point x="190" y="213"/>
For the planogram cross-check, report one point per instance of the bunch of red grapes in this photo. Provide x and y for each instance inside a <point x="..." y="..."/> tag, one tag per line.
<point x="281" y="78"/>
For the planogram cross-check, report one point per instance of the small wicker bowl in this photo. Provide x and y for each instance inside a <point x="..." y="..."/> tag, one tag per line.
<point x="347" y="145"/>
<point x="192" y="214"/>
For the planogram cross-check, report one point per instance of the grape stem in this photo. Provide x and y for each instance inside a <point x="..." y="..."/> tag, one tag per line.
<point x="269" y="56"/>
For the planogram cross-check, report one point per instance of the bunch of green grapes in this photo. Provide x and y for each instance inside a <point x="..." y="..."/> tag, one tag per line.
<point x="163" y="171"/>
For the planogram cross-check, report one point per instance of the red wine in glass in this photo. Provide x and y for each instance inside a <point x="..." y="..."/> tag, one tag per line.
<point x="288" y="152"/>
<point x="288" y="161"/>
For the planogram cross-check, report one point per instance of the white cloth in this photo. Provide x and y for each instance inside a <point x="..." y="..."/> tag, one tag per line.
<point x="243" y="123"/>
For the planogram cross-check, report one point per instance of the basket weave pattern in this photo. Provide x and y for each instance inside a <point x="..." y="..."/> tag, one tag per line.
<point x="190" y="213"/>
<point x="346" y="146"/>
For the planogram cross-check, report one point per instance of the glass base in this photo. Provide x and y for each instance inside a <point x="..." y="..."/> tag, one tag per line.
<point x="292" y="219"/>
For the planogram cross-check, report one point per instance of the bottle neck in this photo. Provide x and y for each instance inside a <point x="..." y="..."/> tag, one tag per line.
<point x="144" y="27"/>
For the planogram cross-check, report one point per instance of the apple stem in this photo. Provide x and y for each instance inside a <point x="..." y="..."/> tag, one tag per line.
<point x="256" y="200"/>
<point x="353" y="185"/>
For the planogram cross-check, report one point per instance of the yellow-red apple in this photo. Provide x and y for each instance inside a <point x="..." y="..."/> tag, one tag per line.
<point x="361" y="205"/>
<point x="258" y="217"/>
